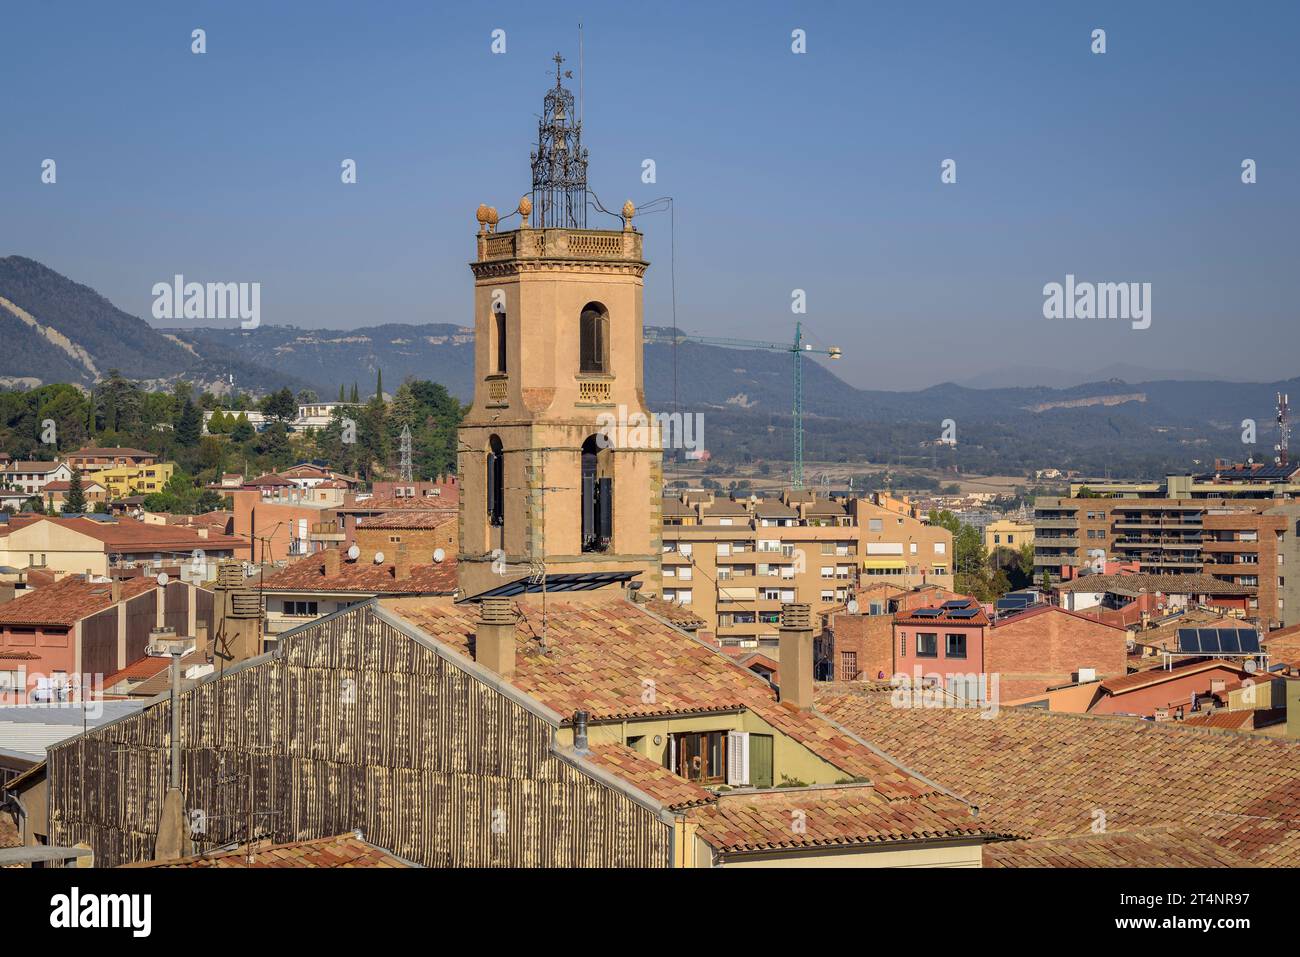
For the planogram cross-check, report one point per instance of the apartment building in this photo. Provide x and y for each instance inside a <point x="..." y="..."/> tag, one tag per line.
<point x="32" y="477"/>
<point x="96" y="459"/>
<point x="734" y="562"/>
<point x="1007" y="533"/>
<point x="1237" y="523"/>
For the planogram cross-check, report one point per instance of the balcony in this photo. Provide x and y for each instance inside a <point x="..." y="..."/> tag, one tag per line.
<point x="595" y="390"/>
<point x="1056" y="523"/>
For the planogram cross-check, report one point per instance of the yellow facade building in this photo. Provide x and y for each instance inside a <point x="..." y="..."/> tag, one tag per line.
<point x="126" y="480"/>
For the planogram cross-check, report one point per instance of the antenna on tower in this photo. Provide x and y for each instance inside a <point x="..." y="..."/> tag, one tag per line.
<point x="1283" y="428"/>
<point x="406" y="454"/>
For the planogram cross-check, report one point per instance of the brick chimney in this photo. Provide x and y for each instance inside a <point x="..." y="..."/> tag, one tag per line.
<point x="796" y="655"/>
<point x="494" y="638"/>
<point x="402" y="562"/>
<point x="115" y="590"/>
<point x="333" y="560"/>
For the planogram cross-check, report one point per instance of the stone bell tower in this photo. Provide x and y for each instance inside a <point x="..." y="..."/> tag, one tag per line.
<point x="559" y="458"/>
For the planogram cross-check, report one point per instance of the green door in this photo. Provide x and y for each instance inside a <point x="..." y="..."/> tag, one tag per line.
<point x="760" y="760"/>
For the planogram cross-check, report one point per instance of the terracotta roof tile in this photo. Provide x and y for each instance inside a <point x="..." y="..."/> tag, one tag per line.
<point x="1044" y="774"/>
<point x="601" y="649"/>
<point x="409" y="518"/>
<point x="67" y="601"/>
<point x="669" y="789"/>
<point x="828" y="817"/>
<point x="344" y="850"/>
<point x="308" y="574"/>
<point x="1122" y="684"/>
<point x="1155" y="847"/>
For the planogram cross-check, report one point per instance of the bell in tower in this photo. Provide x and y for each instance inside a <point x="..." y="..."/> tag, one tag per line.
<point x="546" y="484"/>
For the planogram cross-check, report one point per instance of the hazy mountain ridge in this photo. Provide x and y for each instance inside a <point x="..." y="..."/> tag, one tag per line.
<point x="55" y="329"/>
<point x="58" y="330"/>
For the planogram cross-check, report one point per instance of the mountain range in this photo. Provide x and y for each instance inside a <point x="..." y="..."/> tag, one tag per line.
<point x="56" y="330"/>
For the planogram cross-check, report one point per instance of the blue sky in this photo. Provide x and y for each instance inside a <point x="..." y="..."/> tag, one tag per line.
<point x="817" y="171"/>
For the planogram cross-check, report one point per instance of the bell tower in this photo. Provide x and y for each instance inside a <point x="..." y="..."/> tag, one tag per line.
<point x="559" y="458"/>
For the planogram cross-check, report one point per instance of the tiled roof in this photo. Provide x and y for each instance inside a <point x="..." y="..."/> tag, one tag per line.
<point x="1153" y="847"/>
<point x="269" y="480"/>
<point x="1227" y="720"/>
<point x="133" y="535"/>
<point x="679" y="615"/>
<point x="1044" y="774"/>
<point x="62" y="486"/>
<point x="911" y="617"/>
<point x="828" y="817"/>
<point x="669" y="789"/>
<point x="1155" y="676"/>
<point x="67" y="601"/>
<point x="408" y="518"/>
<point x="389" y="502"/>
<point x="601" y="649"/>
<point x="308" y="574"/>
<point x="33" y="466"/>
<point x="344" y="850"/>
<point x="726" y="506"/>
<point x="1193" y="584"/>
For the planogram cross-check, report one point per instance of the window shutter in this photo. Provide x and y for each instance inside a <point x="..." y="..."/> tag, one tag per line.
<point x="588" y="507"/>
<point x="738" y="757"/>
<point x="607" y="508"/>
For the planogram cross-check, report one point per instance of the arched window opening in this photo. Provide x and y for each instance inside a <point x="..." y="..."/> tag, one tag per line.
<point x="594" y="351"/>
<point x="597" y="500"/>
<point x="496" y="484"/>
<point x="499" y="325"/>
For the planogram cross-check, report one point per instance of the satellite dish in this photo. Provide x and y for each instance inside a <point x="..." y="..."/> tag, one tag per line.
<point x="439" y="555"/>
<point x="853" y="606"/>
<point x="1249" y="665"/>
<point x="162" y="579"/>
<point x="379" y="558"/>
<point x="353" y="552"/>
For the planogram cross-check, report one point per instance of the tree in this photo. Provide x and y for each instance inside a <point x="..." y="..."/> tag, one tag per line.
<point x="242" y="430"/>
<point x="356" y="398"/>
<point x="189" y="427"/>
<point x="280" y="405"/>
<point x="75" y="501"/>
<point x="341" y="398"/>
<point x="379" y="385"/>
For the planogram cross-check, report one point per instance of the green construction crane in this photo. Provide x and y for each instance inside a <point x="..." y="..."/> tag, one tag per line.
<point x="797" y="349"/>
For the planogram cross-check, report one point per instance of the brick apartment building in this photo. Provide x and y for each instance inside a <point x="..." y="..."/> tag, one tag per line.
<point x="1238" y="524"/>
<point x="734" y="562"/>
<point x="1029" y="651"/>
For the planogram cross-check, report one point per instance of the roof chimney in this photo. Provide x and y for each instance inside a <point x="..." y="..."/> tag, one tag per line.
<point x="580" y="719"/>
<point x="115" y="590"/>
<point x="494" y="638"/>
<point x="796" y="655"/>
<point x="332" y="561"/>
<point x="402" y="562"/>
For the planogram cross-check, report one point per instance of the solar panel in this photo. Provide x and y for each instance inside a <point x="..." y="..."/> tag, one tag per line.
<point x="1218" y="641"/>
<point x="1015" y="601"/>
<point x="964" y="613"/>
<point x="928" y="612"/>
<point x="956" y="604"/>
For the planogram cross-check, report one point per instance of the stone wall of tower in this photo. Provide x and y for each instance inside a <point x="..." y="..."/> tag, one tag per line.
<point x="543" y="408"/>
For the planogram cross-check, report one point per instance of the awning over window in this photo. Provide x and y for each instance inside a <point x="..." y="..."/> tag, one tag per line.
<point x="890" y="563"/>
<point x="737" y="594"/>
